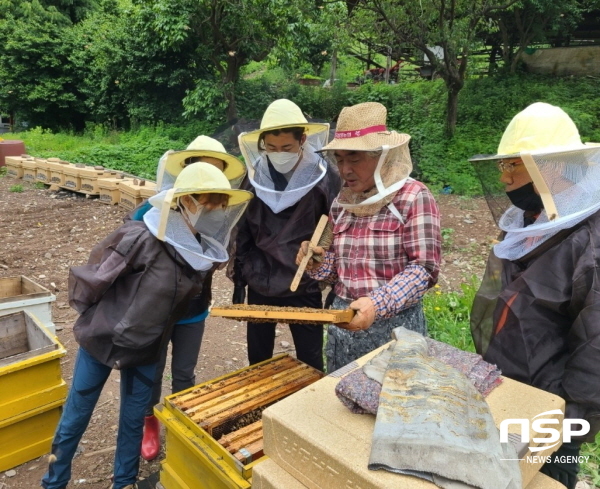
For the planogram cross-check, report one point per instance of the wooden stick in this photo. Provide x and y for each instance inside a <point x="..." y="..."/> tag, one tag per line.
<point x="256" y="449"/>
<point x="314" y="241"/>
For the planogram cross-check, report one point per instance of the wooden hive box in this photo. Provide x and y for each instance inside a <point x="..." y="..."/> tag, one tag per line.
<point x="29" y="170"/>
<point x="89" y="179"/>
<point x="214" y="430"/>
<point x="19" y="293"/>
<point x="42" y="171"/>
<point x="57" y="171"/>
<point x="109" y="189"/>
<point x="130" y="196"/>
<point x="14" y="165"/>
<point x="33" y="390"/>
<point x="72" y="174"/>
<point x="147" y="189"/>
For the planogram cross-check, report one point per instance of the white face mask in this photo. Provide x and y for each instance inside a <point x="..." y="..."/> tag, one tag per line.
<point x="205" y="222"/>
<point x="284" y="162"/>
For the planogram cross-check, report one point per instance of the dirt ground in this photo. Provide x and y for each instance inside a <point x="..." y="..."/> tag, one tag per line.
<point x="45" y="232"/>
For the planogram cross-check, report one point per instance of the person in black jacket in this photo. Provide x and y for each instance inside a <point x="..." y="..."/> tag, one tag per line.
<point x="186" y="336"/>
<point x="135" y="286"/>
<point x="537" y="312"/>
<point x="294" y="186"/>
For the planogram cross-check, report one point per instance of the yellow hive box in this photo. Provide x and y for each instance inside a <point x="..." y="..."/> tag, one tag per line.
<point x="309" y="434"/>
<point x="42" y="171"/>
<point x="197" y="421"/>
<point x="108" y="189"/>
<point x="130" y="193"/>
<point x="268" y="475"/>
<point x="14" y="165"/>
<point x="73" y="176"/>
<point x="57" y="171"/>
<point x="32" y="388"/>
<point x="89" y="178"/>
<point x="29" y="170"/>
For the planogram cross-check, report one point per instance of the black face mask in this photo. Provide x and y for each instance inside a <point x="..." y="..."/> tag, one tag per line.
<point x="525" y="198"/>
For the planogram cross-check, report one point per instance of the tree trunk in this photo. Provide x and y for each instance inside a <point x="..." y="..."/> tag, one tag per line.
<point x="451" y="110"/>
<point x="333" y="68"/>
<point x="231" y="76"/>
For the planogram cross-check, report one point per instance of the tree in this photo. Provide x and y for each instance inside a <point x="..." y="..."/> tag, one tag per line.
<point x="36" y="80"/>
<point x="228" y="34"/>
<point x="443" y="30"/>
<point x="127" y="75"/>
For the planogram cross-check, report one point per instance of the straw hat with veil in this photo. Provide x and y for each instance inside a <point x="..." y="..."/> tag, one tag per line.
<point x="167" y="224"/>
<point x="565" y="173"/>
<point x="362" y="127"/>
<point x="282" y="115"/>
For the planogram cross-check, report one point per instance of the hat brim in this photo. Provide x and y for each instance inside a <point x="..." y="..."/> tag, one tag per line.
<point x="493" y="157"/>
<point x="234" y="168"/>
<point x="548" y="150"/>
<point x="309" y="127"/>
<point x="369" y="142"/>
<point x="235" y="196"/>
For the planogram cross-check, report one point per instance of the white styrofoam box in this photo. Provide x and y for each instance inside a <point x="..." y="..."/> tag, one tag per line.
<point x="20" y="293"/>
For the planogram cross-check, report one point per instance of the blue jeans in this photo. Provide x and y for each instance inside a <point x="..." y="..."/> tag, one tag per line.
<point x="89" y="376"/>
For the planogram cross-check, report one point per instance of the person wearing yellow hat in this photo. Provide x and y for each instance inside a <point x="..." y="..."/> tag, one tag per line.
<point x="537" y="312"/>
<point x="186" y="336"/>
<point x="294" y="186"/>
<point x="386" y="244"/>
<point x="134" y="288"/>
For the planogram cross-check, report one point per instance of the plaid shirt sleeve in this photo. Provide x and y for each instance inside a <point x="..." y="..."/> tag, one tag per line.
<point x="405" y="290"/>
<point x="422" y="243"/>
<point x="327" y="271"/>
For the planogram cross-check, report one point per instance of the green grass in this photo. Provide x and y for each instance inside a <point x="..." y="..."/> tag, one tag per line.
<point x="39" y="185"/>
<point x="16" y="188"/>
<point x="448" y="314"/>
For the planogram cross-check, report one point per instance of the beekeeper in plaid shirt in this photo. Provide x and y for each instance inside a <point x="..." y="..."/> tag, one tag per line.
<point x="386" y="244"/>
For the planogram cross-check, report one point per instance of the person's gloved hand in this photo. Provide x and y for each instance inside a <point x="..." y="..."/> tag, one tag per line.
<point x="239" y="294"/>
<point x="364" y="317"/>
<point x="563" y="471"/>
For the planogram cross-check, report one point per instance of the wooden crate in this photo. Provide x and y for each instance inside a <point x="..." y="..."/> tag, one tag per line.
<point x="19" y="293"/>
<point x="214" y="430"/>
<point x="32" y="388"/>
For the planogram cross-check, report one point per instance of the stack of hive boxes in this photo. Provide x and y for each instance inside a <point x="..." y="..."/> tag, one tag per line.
<point x="214" y="432"/>
<point x="32" y="388"/>
<point x="313" y="441"/>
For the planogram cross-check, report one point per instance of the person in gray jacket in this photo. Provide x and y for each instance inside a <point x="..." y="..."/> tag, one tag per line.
<point x="134" y="288"/>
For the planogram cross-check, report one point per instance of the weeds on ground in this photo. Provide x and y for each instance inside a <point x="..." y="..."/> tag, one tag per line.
<point x="3" y="171"/>
<point x="591" y="470"/>
<point x="39" y="185"/>
<point x="16" y="188"/>
<point x="448" y="314"/>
